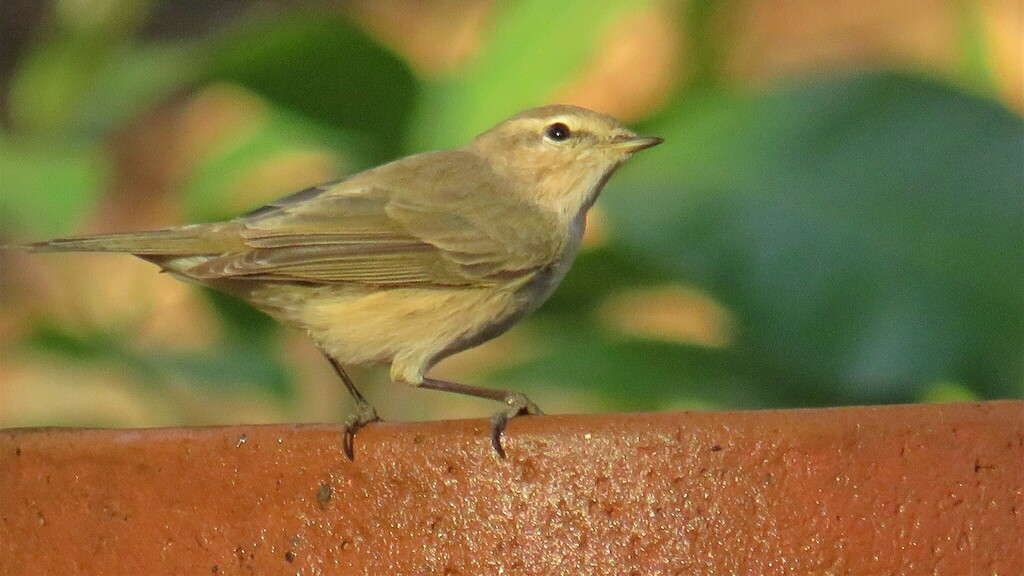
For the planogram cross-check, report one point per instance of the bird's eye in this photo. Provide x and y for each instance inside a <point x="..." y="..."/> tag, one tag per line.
<point x="557" y="132"/>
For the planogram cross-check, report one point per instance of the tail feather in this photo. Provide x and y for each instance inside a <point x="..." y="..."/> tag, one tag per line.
<point x="186" y="240"/>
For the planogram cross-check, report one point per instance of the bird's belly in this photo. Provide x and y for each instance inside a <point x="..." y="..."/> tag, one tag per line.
<point x="411" y="327"/>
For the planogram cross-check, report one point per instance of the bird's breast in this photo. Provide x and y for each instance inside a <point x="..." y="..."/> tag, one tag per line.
<point x="547" y="279"/>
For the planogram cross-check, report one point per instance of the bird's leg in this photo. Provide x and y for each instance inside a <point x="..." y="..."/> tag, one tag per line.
<point x="365" y="412"/>
<point x="516" y="404"/>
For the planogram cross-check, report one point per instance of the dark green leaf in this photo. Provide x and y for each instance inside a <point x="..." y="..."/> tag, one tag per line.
<point x="637" y="375"/>
<point x="322" y="66"/>
<point x="867" y="232"/>
<point x="243" y="323"/>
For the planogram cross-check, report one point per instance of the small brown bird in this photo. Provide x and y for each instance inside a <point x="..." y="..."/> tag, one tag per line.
<point x="413" y="261"/>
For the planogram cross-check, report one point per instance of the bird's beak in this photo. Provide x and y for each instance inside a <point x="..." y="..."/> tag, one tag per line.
<point x="633" y="143"/>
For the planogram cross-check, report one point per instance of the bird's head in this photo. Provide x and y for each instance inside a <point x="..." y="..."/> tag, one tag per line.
<point x="560" y="155"/>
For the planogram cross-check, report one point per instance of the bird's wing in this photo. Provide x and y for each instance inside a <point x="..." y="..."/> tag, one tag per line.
<point x="404" y="224"/>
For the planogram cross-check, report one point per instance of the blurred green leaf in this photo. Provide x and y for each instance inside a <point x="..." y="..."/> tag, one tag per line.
<point x="142" y="74"/>
<point x="54" y="79"/>
<point x="324" y="67"/>
<point x="51" y="338"/>
<point x="214" y="186"/>
<point x="943" y="392"/>
<point x="635" y="374"/>
<point x="237" y="365"/>
<point x="228" y="365"/>
<point x="705" y="46"/>
<point x="244" y="324"/>
<point x="867" y="232"/>
<point x="976" y="71"/>
<point x="48" y="189"/>
<point x="596" y="274"/>
<point x="535" y="48"/>
<point x="48" y="86"/>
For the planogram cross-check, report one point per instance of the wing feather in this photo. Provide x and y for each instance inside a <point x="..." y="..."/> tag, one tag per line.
<point x="411" y="222"/>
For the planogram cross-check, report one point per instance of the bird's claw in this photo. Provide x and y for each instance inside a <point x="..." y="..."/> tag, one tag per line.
<point x="365" y="414"/>
<point x="517" y="405"/>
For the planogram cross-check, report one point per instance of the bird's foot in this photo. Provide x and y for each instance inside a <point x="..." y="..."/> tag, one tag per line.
<point x="517" y="404"/>
<point x="365" y="414"/>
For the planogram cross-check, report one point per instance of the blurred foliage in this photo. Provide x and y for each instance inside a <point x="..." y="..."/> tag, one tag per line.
<point x="528" y="56"/>
<point x="863" y="230"/>
<point x="48" y="186"/>
<point x="238" y="364"/>
<point x="326" y="69"/>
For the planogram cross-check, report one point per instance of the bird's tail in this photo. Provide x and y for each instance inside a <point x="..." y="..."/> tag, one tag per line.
<point x="194" y="239"/>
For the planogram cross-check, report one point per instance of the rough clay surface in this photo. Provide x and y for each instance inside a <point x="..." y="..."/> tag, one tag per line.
<point x="887" y="490"/>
